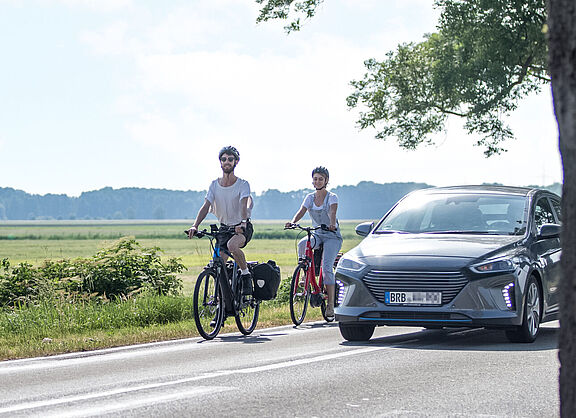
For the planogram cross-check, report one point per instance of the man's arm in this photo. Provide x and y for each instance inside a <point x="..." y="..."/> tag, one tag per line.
<point x="245" y="204"/>
<point x="199" y="218"/>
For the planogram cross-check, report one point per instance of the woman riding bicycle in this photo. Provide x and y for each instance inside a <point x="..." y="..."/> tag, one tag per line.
<point x="322" y="206"/>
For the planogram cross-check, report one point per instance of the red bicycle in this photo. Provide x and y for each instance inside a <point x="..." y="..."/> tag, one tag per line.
<point x="304" y="287"/>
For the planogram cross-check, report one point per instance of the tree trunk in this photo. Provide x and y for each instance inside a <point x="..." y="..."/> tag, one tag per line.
<point x="562" y="46"/>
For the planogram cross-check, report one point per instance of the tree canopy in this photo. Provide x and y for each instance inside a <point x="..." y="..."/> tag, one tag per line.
<point x="484" y="58"/>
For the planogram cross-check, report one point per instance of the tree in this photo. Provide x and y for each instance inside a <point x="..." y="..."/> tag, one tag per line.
<point x="562" y="44"/>
<point x="486" y="56"/>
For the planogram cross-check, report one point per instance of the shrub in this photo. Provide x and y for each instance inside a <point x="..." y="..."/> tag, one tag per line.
<point x="20" y="284"/>
<point x="120" y="271"/>
<point x="126" y="268"/>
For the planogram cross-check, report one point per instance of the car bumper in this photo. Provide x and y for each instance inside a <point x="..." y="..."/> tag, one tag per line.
<point x="479" y="303"/>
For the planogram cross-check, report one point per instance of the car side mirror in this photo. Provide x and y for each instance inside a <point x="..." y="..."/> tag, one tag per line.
<point x="549" y="231"/>
<point x="364" y="228"/>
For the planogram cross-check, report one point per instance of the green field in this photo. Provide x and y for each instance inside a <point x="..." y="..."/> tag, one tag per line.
<point x="36" y="241"/>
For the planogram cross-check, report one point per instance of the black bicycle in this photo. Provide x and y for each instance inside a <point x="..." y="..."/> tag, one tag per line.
<point x="218" y="290"/>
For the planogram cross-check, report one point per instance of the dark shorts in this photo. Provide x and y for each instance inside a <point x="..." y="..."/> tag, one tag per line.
<point x="247" y="234"/>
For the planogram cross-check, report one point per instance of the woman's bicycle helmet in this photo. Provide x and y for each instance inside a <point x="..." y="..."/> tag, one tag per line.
<point x="230" y="150"/>
<point x="321" y="170"/>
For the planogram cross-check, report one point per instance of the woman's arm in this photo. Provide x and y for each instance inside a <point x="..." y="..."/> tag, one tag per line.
<point x="297" y="217"/>
<point x="332" y="215"/>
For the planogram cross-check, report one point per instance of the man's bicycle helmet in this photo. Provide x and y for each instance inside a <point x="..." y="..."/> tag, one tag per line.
<point x="230" y="150"/>
<point x="321" y="170"/>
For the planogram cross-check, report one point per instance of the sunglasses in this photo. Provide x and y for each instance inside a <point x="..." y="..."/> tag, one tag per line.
<point x="230" y="159"/>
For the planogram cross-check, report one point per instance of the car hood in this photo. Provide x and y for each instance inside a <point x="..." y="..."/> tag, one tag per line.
<point x="432" y="245"/>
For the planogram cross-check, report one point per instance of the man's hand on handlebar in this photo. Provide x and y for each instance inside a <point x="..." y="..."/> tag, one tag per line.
<point x="289" y="225"/>
<point x="191" y="232"/>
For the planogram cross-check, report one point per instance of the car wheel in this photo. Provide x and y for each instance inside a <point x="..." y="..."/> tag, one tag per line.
<point x="356" y="332"/>
<point x="528" y="331"/>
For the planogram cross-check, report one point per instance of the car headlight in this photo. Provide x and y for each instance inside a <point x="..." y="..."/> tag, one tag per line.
<point x="496" y="265"/>
<point x="350" y="264"/>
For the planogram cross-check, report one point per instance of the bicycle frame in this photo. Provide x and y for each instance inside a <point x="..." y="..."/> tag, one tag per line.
<point x="218" y="264"/>
<point x="315" y="286"/>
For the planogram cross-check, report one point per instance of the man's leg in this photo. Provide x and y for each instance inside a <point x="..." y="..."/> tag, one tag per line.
<point x="234" y="246"/>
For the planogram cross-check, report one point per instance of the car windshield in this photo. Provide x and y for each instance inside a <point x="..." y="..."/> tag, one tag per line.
<point x="497" y="214"/>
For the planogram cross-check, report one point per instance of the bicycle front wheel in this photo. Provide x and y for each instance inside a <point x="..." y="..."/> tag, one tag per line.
<point x="208" y="305"/>
<point x="247" y="316"/>
<point x="299" y="295"/>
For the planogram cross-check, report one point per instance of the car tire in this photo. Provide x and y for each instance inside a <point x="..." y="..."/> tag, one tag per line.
<point x="356" y="332"/>
<point x="532" y="315"/>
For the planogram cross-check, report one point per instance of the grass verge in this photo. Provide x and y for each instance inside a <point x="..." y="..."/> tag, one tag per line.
<point x="55" y="327"/>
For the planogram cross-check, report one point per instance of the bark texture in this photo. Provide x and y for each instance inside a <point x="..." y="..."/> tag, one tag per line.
<point x="562" y="61"/>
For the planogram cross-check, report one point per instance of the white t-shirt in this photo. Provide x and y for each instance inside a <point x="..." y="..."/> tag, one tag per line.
<point x="308" y="202"/>
<point x="225" y="202"/>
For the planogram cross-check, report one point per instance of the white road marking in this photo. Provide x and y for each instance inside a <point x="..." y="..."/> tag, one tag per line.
<point x="205" y="376"/>
<point x="124" y="405"/>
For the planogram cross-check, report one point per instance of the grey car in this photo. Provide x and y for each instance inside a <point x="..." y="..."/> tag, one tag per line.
<point x="465" y="256"/>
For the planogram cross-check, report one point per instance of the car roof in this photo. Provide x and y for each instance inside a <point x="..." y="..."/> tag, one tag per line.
<point x="519" y="191"/>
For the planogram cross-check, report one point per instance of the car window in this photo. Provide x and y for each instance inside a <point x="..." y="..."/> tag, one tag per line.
<point x="543" y="213"/>
<point x="557" y="209"/>
<point x="475" y="213"/>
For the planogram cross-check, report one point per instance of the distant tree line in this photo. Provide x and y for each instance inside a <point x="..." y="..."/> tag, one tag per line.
<point x="366" y="200"/>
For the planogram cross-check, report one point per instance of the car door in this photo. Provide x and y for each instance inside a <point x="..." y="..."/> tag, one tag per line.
<point x="548" y="253"/>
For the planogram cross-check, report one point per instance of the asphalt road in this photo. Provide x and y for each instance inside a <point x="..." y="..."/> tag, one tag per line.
<point x="306" y="372"/>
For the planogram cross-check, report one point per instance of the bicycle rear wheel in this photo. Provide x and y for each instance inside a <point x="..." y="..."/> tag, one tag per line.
<point x="299" y="295"/>
<point x="247" y="316"/>
<point x="208" y="305"/>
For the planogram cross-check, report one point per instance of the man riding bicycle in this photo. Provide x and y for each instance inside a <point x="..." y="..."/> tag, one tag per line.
<point x="229" y="199"/>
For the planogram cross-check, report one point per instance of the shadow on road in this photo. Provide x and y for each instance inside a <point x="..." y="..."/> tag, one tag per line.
<point x="239" y="338"/>
<point x="463" y="339"/>
<point x="262" y="337"/>
<point x="316" y="325"/>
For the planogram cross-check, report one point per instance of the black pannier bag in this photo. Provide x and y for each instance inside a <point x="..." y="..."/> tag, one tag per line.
<point x="266" y="277"/>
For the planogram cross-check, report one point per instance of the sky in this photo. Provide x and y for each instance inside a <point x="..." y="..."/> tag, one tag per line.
<point x="144" y="93"/>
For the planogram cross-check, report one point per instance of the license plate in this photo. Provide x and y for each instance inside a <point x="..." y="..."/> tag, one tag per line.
<point x="413" y="298"/>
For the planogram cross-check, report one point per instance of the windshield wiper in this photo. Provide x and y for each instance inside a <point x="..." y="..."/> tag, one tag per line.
<point x="463" y="232"/>
<point x="391" y="231"/>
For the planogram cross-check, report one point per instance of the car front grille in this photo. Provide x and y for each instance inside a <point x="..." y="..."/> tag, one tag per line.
<point x="381" y="281"/>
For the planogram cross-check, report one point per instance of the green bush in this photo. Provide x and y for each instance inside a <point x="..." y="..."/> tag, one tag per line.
<point x="117" y="272"/>
<point x="283" y="294"/>
<point x="20" y="284"/>
<point x="126" y="268"/>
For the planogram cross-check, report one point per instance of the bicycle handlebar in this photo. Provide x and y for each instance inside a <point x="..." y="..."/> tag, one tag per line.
<point x="323" y="227"/>
<point x="214" y="231"/>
